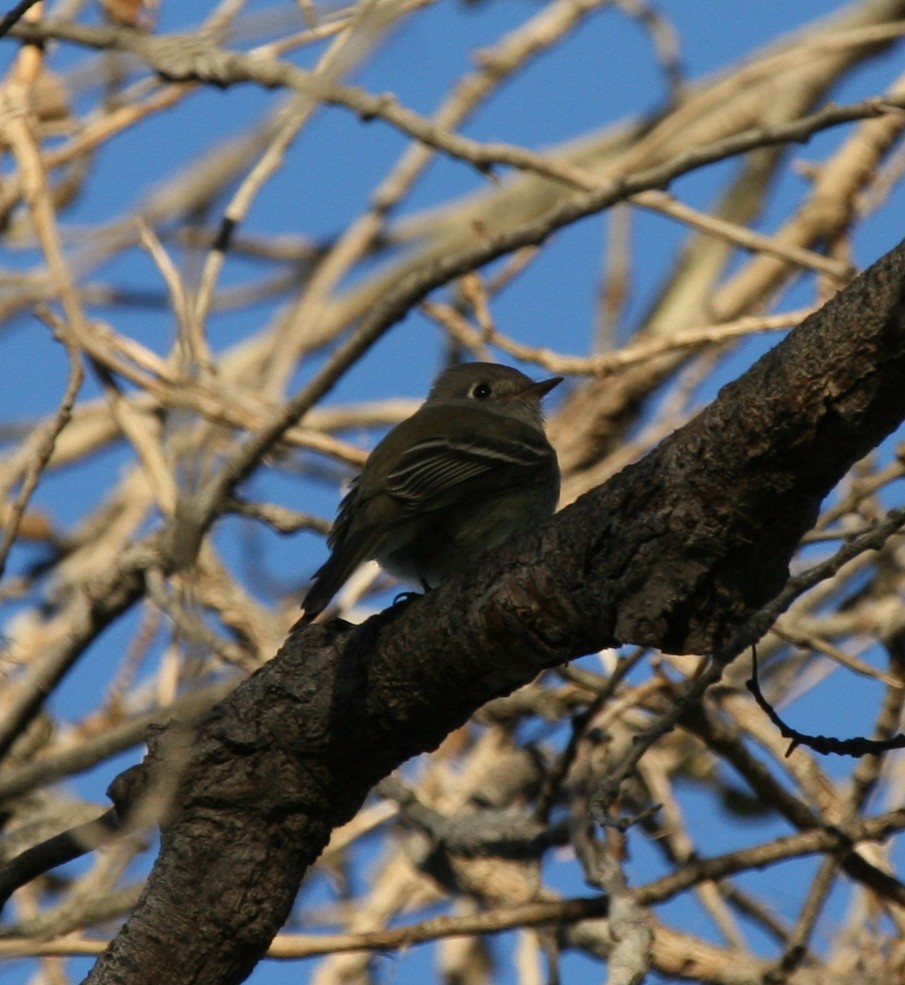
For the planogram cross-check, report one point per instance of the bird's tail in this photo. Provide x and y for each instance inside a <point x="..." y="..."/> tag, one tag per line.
<point x="329" y="578"/>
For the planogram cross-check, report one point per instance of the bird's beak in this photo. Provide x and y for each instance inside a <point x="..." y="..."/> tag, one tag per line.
<point x="538" y="390"/>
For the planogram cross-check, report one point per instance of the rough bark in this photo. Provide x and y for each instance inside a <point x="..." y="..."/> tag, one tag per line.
<point x="675" y="552"/>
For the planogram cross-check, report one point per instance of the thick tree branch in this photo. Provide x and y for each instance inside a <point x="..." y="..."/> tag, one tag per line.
<point x="675" y="552"/>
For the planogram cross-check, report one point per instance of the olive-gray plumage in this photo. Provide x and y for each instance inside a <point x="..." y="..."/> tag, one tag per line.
<point x="469" y="469"/>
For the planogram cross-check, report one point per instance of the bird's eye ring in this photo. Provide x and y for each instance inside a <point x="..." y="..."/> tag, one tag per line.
<point x="481" y="391"/>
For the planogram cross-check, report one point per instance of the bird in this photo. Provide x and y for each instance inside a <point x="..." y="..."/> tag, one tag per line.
<point x="467" y="471"/>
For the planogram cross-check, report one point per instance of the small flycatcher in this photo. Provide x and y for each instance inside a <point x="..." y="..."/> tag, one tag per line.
<point x="469" y="469"/>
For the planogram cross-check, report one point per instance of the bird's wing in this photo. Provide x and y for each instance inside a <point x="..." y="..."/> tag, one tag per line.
<point x="427" y="463"/>
<point x="436" y="472"/>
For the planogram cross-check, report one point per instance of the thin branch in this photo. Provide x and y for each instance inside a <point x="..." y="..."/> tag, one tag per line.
<point x="856" y="747"/>
<point x="44" y="441"/>
<point x="811" y="842"/>
<point x="289" y="947"/>
<point x="11" y="17"/>
<point x="188" y="59"/>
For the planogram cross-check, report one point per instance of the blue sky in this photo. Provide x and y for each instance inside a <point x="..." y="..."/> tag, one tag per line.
<point x="604" y="73"/>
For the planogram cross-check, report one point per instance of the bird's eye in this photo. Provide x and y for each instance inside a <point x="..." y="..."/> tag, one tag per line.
<point x="481" y="391"/>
